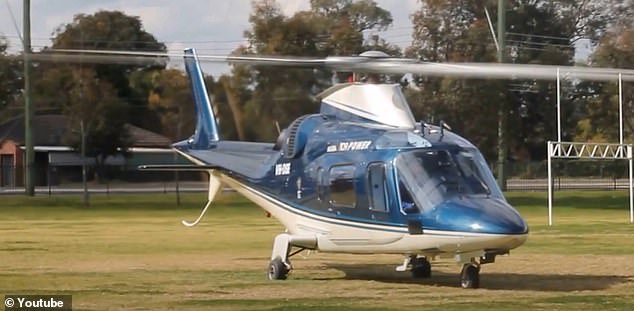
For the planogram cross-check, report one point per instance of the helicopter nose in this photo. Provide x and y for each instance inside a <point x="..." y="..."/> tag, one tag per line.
<point x="480" y="215"/>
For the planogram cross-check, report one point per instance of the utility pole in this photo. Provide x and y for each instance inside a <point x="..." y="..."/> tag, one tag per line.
<point x="29" y="184"/>
<point x="502" y="108"/>
<point x="82" y="130"/>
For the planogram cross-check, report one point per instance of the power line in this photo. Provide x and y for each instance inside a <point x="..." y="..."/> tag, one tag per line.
<point x="538" y="36"/>
<point x="546" y="44"/>
<point x="15" y="23"/>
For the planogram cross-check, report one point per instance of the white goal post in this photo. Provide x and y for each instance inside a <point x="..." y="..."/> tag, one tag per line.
<point x="572" y="150"/>
<point x="588" y="150"/>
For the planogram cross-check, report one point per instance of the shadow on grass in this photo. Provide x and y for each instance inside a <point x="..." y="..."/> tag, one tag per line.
<point x="492" y="281"/>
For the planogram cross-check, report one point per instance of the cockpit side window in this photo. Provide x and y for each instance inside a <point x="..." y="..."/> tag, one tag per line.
<point x="408" y="205"/>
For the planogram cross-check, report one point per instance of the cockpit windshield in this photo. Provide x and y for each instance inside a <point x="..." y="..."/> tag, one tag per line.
<point x="429" y="177"/>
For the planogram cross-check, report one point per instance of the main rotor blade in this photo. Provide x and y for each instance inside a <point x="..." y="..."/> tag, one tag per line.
<point x="98" y="58"/>
<point x="496" y="71"/>
<point x="356" y="64"/>
<point x="138" y="57"/>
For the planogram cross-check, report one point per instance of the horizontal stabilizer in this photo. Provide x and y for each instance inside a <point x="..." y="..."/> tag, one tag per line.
<point x="178" y="167"/>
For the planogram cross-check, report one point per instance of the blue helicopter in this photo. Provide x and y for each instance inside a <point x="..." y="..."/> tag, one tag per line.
<point x="361" y="176"/>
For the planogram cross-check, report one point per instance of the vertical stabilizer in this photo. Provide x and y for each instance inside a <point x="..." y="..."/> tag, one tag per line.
<point x="206" y="128"/>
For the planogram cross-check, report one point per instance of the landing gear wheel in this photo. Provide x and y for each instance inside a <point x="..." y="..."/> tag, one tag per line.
<point x="277" y="270"/>
<point x="470" y="276"/>
<point x="421" y="268"/>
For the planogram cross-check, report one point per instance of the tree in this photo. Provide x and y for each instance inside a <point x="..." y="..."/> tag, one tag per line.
<point x="330" y="27"/>
<point x="171" y="98"/>
<point x="344" y="21"/>
<point x="100" y="95"/>
<point x="229" y="99"/>
<point x="600" y="105"/>
<point x="111" y="30"/>
<point x="456" y="31"/>
<point x="540" y="32"/>
<point x="591" y="19"/>
<point x="103" y="114"/>
<point x="10" y="76"/>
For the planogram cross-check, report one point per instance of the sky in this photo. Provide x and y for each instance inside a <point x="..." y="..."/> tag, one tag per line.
<point x="211" y="26"/>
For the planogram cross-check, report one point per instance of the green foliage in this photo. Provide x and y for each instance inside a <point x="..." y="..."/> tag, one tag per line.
<point x="171" y="98"/>
<point x="541" y="32"/>
<point x="600" y="106"/>
<point x="108" y="30"/>
<point x="331" y="27"/>
<point x="10" y="74"/>
<point x="104" y="97"/>
<point x="251" y="100"/>
<point x="103" y="114"/>
<point x="229" y="98"/>
<point x="455" y="31"/>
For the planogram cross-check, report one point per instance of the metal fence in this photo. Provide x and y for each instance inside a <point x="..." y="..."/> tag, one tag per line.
<point x="569" y="175"/>
<point x="559" y="183"/>
<point x="110" y="179"/>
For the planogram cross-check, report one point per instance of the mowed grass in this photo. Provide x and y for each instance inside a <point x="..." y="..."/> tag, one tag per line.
<point x="131" y="252"/>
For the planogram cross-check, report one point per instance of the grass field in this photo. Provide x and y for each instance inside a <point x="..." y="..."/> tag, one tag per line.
<point x="131" y="252"/>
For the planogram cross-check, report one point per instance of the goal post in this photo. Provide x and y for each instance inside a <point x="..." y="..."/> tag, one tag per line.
<point x="588" y="150"/>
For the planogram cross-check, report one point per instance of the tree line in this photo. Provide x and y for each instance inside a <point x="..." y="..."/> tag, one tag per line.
<point x="251" y="100"/>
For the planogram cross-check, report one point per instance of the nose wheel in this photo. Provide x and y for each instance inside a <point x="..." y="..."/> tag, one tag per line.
<point x="277" y="269"/>
<point x="421" y="268"/>
<point x="470" y="276"/>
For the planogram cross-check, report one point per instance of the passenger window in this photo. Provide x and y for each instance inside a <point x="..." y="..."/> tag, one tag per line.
<point x="341" y="186"/>
<point x="377" y="187"/>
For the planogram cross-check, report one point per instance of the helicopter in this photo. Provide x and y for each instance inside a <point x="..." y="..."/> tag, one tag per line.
<point x="361" y="175"/>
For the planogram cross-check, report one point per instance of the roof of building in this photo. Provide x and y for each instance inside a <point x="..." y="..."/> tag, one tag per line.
<point x="49" y="130"/>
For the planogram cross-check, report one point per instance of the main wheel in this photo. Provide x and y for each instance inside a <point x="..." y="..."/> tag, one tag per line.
<point x="470" y="276"/>
<point x="277" y="270"/>
<point x="421" y="268"/>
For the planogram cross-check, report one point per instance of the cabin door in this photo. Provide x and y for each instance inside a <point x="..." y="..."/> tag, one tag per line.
<point x="377" y="191"/>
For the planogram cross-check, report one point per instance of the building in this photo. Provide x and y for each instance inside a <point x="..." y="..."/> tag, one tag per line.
<point x="56" y="162"/>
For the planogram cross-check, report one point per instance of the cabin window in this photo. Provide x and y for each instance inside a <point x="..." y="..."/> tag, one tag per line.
<point x="341" y="186"/>
<point x="377" y="187"/>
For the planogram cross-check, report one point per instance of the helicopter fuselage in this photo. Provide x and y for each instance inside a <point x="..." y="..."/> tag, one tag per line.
<point x="342" y="182"/>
